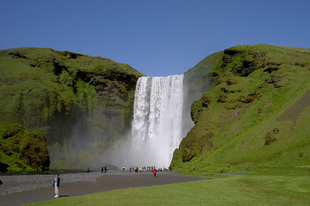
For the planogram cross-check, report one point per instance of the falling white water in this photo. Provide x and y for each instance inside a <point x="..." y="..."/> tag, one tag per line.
<point x="157" y="120"/>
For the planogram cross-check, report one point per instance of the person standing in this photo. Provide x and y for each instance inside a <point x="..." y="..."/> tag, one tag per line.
<point x="56" y="185"/>
<point x="154" y="171"/>
<point x="101" y="169"/>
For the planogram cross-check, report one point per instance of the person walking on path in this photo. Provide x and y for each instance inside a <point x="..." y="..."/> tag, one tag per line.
<point x="154" y="171"/>
<point x="101" y="169"/>
<point x="56" y="185"/>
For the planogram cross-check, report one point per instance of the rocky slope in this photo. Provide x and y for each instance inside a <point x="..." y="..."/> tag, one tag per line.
<point x="82" y="103"/>
<point x="254" y="117"/>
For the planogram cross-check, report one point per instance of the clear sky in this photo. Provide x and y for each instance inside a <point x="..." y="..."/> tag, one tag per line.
<point x="156" y="37"/>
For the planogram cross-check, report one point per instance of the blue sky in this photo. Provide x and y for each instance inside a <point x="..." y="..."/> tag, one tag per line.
<point x="156" y="37"/>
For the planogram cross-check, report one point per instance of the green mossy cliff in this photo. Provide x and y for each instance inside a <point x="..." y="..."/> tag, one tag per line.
<point x="82" y="103"/>
<point x="22" y="150"/>
<point x="255" y="116"/>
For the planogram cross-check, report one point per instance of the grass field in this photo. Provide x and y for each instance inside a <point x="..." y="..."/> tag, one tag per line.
<point x="217" y="190"/>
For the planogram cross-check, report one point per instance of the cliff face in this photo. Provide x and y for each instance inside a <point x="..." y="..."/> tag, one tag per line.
<point x="81" y="103"/>
<point x="22" y="150"/>
<point x="253" y="117"/>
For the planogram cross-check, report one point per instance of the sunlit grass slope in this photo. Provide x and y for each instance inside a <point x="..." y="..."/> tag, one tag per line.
<point x="230" y="190"/>
<point x="255" y="117"/>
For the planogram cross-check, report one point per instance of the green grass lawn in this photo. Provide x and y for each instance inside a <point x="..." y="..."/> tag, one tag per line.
<point x="218" y="190"/>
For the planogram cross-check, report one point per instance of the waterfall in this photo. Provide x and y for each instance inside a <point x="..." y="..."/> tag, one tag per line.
<point x="157" y="120"/>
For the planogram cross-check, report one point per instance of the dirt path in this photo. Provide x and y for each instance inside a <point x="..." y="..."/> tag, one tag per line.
<point x="109" y="181"/>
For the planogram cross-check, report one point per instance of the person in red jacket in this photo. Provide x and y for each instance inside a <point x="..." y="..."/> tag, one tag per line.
<point x="154" y="171"/>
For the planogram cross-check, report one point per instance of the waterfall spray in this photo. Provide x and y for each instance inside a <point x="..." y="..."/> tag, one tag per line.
<point x="158" y="124"/>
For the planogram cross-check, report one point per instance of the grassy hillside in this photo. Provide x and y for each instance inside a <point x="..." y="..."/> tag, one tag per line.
<point x="82" y="103"/>
<point x="254" y="117"/>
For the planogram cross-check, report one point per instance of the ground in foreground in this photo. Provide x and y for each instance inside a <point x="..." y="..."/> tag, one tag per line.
<point x="218" y="190"/>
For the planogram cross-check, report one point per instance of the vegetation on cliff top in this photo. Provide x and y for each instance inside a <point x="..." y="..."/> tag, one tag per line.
<point x="254" y="117"/>
<point x="82" y="103"/>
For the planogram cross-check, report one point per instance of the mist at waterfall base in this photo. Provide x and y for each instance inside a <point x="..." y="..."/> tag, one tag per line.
<point x="158" y="126"/>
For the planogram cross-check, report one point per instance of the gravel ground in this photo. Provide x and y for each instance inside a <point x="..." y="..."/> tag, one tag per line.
<point x="23" y="189"/>
<point x="21" y="183"/>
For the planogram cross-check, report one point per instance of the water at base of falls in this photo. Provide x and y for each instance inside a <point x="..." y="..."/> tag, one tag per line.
<point x="157" y="120"/>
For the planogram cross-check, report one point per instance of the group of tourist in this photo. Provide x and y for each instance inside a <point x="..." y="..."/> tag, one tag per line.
<point x="148" y="168"/>
<point x="153" y="169"/>
<point x="135" y="169"/>
<point x="105" y="168"/>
